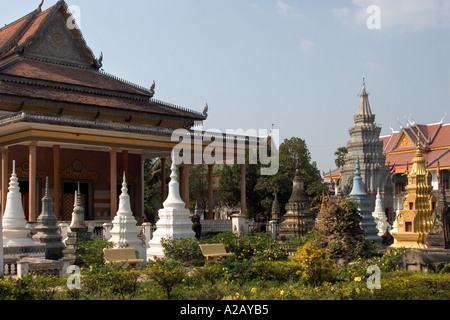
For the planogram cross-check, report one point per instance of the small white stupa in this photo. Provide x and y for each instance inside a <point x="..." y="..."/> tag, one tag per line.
<point x="15" y="232"/>
<point x="174" y="219"/>
<point x="124" y="232"/>
<point x="380" y="216"/>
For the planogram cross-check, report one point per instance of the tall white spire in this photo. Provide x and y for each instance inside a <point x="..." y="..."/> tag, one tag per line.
<point x="174" y="219"/>
<point x="15" y="232"/>
<point x="124" y="231"/>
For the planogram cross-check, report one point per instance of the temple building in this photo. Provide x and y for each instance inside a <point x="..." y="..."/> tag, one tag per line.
<point x="63" y="117"/>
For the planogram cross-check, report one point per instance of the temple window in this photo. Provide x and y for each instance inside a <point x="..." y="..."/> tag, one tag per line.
<point x="411" y="206"/>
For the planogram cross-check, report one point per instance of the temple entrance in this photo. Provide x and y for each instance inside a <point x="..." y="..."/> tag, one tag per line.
<point x="68" y="198"/>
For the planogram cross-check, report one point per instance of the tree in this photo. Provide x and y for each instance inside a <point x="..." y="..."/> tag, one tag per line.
<point x="152" y="188"/>
<point x="198" y="188"/>
<point x="339" y="225"/>
<point x="291" y="151"/>
<point x="340" y="154"/>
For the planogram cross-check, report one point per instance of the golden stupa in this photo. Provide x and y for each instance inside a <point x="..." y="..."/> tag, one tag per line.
<point x="416" y="219"/>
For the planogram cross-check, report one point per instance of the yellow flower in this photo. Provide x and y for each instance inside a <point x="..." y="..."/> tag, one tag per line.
<point x="253" y="290"/>
<point x="237" y="294"/>
<point x="357" y="290"/>
<point x="357" y="279"/>
<point x="282" y="293"/>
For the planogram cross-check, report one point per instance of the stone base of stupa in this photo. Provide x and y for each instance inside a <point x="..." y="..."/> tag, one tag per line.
<point x="173" y="223"/>
<point x="72" y="253"/>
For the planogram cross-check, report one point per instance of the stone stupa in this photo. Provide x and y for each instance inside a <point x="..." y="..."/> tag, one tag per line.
<point x="298" y="219"/>
<point x="124" y="232"/>
<point x="16" y="236"/>
<point x="174" y="219"/>
<point x="47" y="229"/>
<point x="359" y="195"/>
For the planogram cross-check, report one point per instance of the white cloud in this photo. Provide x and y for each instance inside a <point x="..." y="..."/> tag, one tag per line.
<point x="399" y="15"/>
<point x="254" y="5"/>
<point x="282" y="7"/>
<point x="306" y="44"/>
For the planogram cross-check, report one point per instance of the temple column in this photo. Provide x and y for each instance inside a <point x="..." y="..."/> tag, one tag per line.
<point x="32" y="215"/>
<point x="125" y="161"/>
<point x="184" y="184"/>
<point x="5" y="173"/>
<point x="210" y="192"/>
<point x="56" y="182"/>
<point x="113" y="183"/>
<point x="243" y="192"/>
<point x="163" y="180"/>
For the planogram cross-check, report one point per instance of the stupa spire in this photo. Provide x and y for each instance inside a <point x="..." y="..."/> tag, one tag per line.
<point x="364" y="112"/>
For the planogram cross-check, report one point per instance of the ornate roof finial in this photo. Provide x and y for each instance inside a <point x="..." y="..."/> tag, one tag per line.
<point x="39" y="9"/>
<point x="205" y="111"/>
<point x="152" y="88"/>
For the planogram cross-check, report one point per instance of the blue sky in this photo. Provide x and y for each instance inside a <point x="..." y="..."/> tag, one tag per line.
<point x="295" y="64"/>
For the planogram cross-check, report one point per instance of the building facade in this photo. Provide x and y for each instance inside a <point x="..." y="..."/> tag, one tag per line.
<point x="63" y="118"/>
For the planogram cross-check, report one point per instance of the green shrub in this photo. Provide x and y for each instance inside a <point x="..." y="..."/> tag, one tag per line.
<point x="257" y="247"/>
<point x="166" y="272"/>
<point x="315" y="264"/>
<point x="275" y="270"/>
<point x="30" y="287"/>
<point x="186" y="250"/>
<point x="91" y="251"/>
<point x="414" y="285"/>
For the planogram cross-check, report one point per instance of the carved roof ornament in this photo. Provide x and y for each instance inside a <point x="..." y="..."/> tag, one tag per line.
<point x="152" y="88"/>
<point x="39" y="9"/>
<point x="100" y="60"/>
<point x="205" y="111"/>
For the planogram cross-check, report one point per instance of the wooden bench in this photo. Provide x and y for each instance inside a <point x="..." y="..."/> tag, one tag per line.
<point x="122" y="255"/>
<point x="214" y="251"/>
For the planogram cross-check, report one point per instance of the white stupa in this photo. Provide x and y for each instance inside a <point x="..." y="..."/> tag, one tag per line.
<point x="15" y="233"/>
<point x="124" y="232"/>
<point x="174" y="221"/>
<point x="380" y="216"/>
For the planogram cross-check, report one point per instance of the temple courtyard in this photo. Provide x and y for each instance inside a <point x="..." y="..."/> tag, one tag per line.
<point x="110" y="194"/>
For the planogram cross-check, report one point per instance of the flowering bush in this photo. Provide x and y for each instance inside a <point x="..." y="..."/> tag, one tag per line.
<point x="315" y="264"/>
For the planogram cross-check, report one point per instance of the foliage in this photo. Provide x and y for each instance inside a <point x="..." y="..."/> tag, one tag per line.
<point x="315" y="264"/>
<point x="260" y="189"/>
<point x="91" y="251"/>
<point x="186" y="250"/>
<point x="291" y="151"/>
<point x="339" y="225"/>
<point x="166" y="272"/>
<point x="30" y="287"/>
<point x="408" y="285"/>
<point x="275" y="270"/>
<point x="152" y="187"/>
<point x="198" y="188"/>
<point x="340" y="154"/>
<point x="255" y="247"/>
